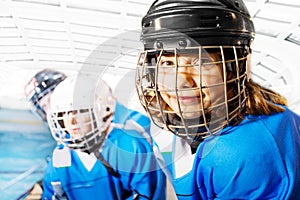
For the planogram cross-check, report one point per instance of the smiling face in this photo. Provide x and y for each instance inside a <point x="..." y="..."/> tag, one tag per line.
<point x="194" y="92"/>
<point x="191" y="83"/>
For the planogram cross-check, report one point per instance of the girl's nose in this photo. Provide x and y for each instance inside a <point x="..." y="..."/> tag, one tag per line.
<point x="187" y="71"/>
<point x="72" y="119"/>
<point x="186" y="64"/>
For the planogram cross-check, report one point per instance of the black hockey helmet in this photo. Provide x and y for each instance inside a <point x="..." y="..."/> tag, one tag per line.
<point x="43" y="83"/>
<point x="208" y="22"/>
<point x="185" y="27"/>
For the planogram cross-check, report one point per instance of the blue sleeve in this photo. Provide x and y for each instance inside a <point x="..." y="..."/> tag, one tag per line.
<point x="132" y="120"/>
<point x="141" y="119"/>
<point x="145" y="178"/>
<point x="258" y="159"/>
<point x="48" y="191"/>
<point x="135" y="161"/>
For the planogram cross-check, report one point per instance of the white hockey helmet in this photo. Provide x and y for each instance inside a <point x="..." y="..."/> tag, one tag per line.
<point x="80" y="112"/>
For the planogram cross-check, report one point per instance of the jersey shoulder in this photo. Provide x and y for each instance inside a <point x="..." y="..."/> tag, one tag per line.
<point x="128" y="140"/>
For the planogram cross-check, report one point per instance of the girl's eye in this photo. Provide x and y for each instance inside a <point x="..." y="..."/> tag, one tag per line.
<point x="205" y="60"/>
<point x="167" y="63"/>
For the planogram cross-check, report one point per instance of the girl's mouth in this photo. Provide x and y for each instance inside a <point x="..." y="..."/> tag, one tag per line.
<point x="188" y="99"/>
<point x="75" y="130"/>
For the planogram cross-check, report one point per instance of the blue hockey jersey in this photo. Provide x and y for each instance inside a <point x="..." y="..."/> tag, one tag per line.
<point x="134" y="160"/>
<point x="258" y="159"/>
<point x="129" y="119"/>
<point x="129" y="152"/>
<point x="72" y="174"/>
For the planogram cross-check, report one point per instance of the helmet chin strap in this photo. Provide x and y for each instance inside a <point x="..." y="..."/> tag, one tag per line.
<point x="188" y="132"/>
<point x="99" y="156"/>
<point x="93" y="146"/>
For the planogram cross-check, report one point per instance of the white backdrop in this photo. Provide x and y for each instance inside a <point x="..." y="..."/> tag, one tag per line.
<point x="65" y="34"/>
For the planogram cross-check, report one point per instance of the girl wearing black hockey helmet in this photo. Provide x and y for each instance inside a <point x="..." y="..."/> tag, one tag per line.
<point x="193" y="79"/>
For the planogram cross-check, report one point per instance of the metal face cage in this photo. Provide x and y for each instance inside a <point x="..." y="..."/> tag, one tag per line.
<point x="77" y="129"/>
<point x="193" y="92"/>
<point x="36" y="107"/>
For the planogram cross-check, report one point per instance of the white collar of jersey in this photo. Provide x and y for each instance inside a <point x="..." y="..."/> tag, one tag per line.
<point x="62" y="158"/>
<point x="183" y="159"/>
<point x="88" y="160"/>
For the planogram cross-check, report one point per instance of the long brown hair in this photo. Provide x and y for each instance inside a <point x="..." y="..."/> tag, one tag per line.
<point x="263" y="101"/>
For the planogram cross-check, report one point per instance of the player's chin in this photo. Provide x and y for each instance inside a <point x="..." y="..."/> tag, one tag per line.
<point x="192" y="114"/>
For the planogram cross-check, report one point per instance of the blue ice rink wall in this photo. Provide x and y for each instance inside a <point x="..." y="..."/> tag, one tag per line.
<point x="25" y="145"/>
